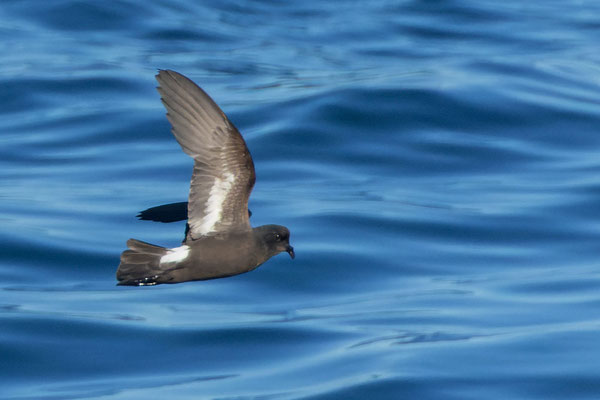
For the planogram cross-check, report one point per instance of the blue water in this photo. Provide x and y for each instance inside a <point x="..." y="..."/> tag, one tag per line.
<point x="437" y="162"/>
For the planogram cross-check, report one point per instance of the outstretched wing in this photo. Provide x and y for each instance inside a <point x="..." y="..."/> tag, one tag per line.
<point x="223" y="169"/>
<point x="171" y="212"/>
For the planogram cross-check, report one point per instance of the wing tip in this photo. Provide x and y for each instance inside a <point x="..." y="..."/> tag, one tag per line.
<point x="166" y="74"/>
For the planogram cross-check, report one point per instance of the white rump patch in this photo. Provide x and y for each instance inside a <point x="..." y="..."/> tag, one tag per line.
<point x="175" y="254"/>
<point x="214" y="204"/>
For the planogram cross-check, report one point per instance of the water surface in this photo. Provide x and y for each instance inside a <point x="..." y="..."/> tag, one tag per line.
<point x="438" y="164"/>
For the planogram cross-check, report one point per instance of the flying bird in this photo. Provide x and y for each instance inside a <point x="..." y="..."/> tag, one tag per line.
<point x="219" y="240"/>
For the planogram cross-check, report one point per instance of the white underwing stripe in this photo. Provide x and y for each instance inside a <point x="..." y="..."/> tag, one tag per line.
<point x="175" y="254"/>
<point x="214" y="204"/>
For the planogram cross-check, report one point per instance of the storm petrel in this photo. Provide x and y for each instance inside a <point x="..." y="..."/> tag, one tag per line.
<point x="219" y="240"/>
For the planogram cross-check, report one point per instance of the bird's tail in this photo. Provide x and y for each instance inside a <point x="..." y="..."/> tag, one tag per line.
<point x="140" y="265"/>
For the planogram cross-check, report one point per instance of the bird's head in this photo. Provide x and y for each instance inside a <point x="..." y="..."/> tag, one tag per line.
<point x="276" y="238"/>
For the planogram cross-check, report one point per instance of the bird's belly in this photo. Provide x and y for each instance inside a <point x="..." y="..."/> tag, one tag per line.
<point x="216" y="261"/>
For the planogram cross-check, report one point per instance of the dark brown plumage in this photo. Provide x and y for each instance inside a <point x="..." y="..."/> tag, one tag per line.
<point x="220" y="240"/>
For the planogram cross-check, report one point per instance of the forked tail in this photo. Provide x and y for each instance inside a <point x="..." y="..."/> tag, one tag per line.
<point x="140" y="265"/>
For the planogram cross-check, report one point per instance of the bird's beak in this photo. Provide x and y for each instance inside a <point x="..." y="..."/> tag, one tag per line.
<point x="290" y="251"/>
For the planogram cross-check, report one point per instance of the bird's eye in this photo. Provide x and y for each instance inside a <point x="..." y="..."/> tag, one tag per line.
<point x="277" y="237"/>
